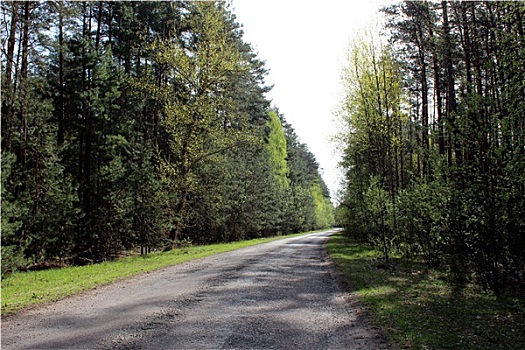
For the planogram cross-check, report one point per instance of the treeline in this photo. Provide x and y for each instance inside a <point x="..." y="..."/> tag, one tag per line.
<point x="435" y="140"/>
<point x="141" y="124"/>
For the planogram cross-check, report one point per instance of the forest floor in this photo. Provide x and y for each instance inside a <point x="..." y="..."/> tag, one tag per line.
<point x="279" y="295"/>
<point x="422" y="308"/>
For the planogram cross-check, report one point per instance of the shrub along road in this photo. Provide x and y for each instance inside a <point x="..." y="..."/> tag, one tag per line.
<point x="279" y="295"/>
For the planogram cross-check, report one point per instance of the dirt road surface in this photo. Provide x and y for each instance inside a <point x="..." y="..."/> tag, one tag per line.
<point x="279" y="295"/>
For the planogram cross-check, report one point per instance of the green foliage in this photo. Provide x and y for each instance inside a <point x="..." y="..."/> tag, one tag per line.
<point x="140" y="124"/>
<point x="24" y="289"/>
<point x="252" y="189"/>
<point x="324" y="216"/>
<point x="339" y="215"/>
<point x="12" y="210"/>
<point x="378" y="205"/>
<point x="13" y="259"/>
<point x="421" y="308"/>
<point x="372" y="111"/>
<point x="433" y="150"/>
<point x="38" y="197"/>
<point x="276" y="147"/>
<point x="300" y="211"/>
<point x="307" y="199"/>
<point x="423" y="220"/>
<point x="204" y="121"/>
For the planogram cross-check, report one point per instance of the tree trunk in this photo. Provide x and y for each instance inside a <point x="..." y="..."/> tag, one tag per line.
<point x="7" y="107"/>
<point x="439" y="99"/>
<point x="451" y="106"/>
<point x="61" y="107"/>
<point x="424" y="108"/>
<point x="23" y="81"/>
<point x="99" y="24"/>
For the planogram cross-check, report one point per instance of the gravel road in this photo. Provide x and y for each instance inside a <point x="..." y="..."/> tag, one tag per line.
<point x="279" y="295"/>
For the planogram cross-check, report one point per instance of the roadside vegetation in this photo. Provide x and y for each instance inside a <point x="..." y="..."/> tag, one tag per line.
<point x="433" y="198"/>
<point x="424" y="308"/>
<point x="434" y="139"/>
<point x="130" y="125"/>
<point x="24" y="289"/>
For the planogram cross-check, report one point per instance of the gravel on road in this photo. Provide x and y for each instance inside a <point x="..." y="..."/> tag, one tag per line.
<point x="279" y="295"/>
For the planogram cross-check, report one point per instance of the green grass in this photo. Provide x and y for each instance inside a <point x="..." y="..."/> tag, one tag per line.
<point x="420" y="308"/>
<point x="24" y="289"/>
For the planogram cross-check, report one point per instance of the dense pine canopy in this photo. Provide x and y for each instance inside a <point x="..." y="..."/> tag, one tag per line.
<point x="435" y="140"/>
<point x="141" y="124"/>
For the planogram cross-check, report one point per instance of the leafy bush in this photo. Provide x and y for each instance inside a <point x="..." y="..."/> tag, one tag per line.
<point x="13" y="260"/>
<point x="422" y="220"/>
<point x="379" y="208"/>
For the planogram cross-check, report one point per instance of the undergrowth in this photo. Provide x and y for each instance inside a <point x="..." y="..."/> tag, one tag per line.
<point x="422" y="308"/>
<point x="25" y="289"/>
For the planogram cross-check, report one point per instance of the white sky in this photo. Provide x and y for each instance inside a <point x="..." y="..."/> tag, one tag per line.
<point x="304" y="45"/>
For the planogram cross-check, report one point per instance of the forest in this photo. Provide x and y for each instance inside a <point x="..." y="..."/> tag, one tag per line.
<point x="141" y="125"/>
<point x="434" y="140"/>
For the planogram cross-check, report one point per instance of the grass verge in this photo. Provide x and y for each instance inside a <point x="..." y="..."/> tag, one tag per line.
<point x="24" y="289"/>
<point x="420" y="308"/>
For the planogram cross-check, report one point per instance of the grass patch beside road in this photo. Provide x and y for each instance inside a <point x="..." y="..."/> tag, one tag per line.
<point x="420" y="308"/>
<point x="23" y="289"/>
